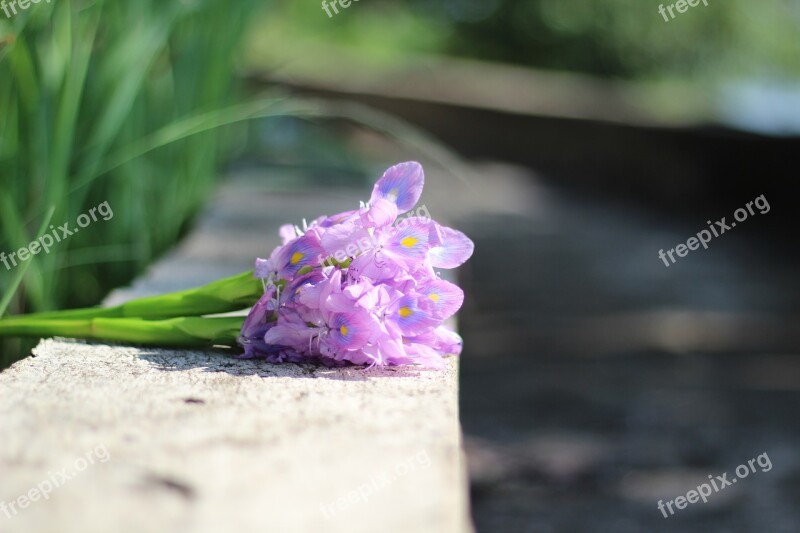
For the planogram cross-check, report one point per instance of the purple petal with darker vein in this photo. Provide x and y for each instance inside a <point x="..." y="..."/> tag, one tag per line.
<point x="402" y="184"/>
<point x="412" y="315"/>
<point x="350" y="331"/>
<point x="408" y="244"/>
<point x="303" y="251"/>
<point x="446" y="297"/>
<point x="300" y="284"/>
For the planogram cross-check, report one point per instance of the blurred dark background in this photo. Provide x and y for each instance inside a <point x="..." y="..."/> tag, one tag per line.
<point x="571" y="140"/>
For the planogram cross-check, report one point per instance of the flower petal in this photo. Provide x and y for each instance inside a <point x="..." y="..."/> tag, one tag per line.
<point x="380" y="213"/>
<point x="454" y="250"/>
<point x="256" y="325"/>
<point x="402" y="185"/>
<point x="350" y="331"/>
<point x="345" y="240"/>
<point x="411" y="317"/>
<point x="408" y="244"/>
<point x="263" y="268"/>
<point x="448" y="341"/>
<point x="303" y="251"/>
<point x="287" y="233"/>
<point x="425" y="356"/>
<point x="372" y="265"/>
<point x="446" y="297"/>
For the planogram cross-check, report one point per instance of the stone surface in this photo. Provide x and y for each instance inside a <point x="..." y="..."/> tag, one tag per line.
<point x="196" y="441"/>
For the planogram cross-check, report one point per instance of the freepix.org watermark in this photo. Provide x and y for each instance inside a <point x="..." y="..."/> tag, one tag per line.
<point x="714" y="230"/>
<point x="54" y="236"/>
<point x="10" y="8"/>
<point x="719" y="483"/>
<point x="344" y="4"/>
<point x="54" y="480"/>
<point x="364" y="492"/>
<point x="681" y="6"/>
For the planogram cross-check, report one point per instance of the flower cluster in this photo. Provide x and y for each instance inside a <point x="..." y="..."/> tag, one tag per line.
<point x="329" y="298"/>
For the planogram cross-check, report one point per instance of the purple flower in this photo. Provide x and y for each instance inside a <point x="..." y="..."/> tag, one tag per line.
<point x="360" y="287"/>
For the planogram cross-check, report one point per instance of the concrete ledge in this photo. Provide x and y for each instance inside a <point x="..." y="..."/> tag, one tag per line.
<point x="197" y="441"/>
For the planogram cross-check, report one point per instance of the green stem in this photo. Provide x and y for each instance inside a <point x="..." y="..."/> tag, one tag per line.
<point x="184" y="332"/>
<point x="223" y="296"/>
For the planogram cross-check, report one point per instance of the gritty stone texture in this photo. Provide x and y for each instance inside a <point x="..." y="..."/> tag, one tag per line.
<point x="197" y="441"/>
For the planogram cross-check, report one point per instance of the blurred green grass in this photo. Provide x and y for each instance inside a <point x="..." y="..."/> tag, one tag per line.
<point x="83" y="85"/>
<point x="622" y="39"/>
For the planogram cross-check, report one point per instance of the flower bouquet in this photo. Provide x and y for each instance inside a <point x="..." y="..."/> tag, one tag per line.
<point x="359" y="287"/>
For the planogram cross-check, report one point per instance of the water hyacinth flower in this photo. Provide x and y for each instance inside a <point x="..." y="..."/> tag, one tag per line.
<point x="347" y="303"/>
<point x="356" y="288"/>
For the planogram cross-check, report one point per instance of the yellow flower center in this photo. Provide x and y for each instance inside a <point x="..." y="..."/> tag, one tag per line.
<point x="433" y="296"/>
<point x="343" y="330"/>
<point x="405" y="312"/>
<point x="409" y="242"/>
<point x="296" y="258"/>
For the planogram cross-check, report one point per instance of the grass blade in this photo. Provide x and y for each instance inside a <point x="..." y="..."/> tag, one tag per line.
<point x="17" y="280"/>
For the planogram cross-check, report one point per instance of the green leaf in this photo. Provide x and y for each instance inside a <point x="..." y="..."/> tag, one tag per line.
<point x="22" y="269"/>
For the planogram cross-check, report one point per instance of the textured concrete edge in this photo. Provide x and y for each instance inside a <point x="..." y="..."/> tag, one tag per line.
<point x="49" y="356"/>
<point x="468" y="526"/>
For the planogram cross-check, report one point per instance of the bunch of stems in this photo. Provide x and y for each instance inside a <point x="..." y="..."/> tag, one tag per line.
<point x="179" y="319"/>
